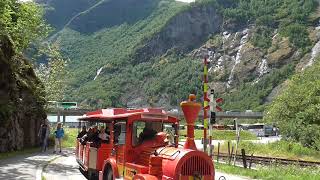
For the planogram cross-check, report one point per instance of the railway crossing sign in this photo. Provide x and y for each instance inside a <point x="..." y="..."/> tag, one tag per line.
<point x="214" y="107"/>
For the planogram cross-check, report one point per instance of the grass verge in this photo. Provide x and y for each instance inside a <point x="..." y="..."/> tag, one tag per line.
<point x="284" y="149"/>
<point x="222" y="134"/>
<point x="20" y="152"/>
<point x="273" y="172"/>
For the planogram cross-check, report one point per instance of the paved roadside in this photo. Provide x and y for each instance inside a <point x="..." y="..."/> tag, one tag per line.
<point x="224" y="176"/>
<point x="26" y="167"/>
<point x="64" y="167"/>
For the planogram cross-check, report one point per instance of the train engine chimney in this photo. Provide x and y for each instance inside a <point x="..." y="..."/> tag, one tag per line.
<point x="190" y="110"/>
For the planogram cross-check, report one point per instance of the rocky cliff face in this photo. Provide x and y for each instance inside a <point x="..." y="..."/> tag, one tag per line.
<point x="21" y="100"/>
<point x="235" y="61"/>
<point x="184" y="32"/>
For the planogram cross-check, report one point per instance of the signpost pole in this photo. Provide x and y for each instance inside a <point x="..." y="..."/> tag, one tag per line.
<point x="205" y="103"/>
<point x="212" y="119"/>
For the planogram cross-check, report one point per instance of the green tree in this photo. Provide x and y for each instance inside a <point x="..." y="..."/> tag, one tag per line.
<point x="296" y="110"/>
<point x="53" y="74"/>
<point x="23" y="22"/>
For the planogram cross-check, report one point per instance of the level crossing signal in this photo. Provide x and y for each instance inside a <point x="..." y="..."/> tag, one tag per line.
<point x="214" y="107"/>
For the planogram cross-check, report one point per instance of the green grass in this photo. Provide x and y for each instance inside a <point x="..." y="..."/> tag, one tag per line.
<point x="20" y="152"/>
<point x="283" y="149"/>
<point x="222" y="135"/>
<point x="70" y="137"/>
<point x="273" y="173"/>
<point x="68" y="141"/>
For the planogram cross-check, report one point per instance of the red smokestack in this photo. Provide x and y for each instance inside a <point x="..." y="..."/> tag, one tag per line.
<point x="190" y="110"/>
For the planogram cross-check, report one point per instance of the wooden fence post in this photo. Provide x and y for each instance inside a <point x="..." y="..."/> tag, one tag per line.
<point x="250" y="162"/>
<point x="218" y="151"/>
<point x="229" y="148"/>
<point x="244" y="160"/>
<point x="231" y="154"/>
<point x="211" y="150"/>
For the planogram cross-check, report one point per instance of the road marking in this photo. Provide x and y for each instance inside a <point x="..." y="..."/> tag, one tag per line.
<point x="39" y="173"/>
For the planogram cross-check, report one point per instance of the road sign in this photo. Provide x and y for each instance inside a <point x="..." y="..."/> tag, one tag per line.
<point x="68" y="105"/>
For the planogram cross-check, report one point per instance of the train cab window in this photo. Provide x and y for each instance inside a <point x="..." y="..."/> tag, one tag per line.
<point x="171" y="132"/>
<point x="145" y="131"/>
<point x="120" y="133"/>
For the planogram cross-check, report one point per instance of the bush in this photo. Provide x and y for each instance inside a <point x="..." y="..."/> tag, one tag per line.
<point x="296" y="110"/>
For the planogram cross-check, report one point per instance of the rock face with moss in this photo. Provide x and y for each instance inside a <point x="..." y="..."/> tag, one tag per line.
<point x="21" y="100"/>
<point x="238" y="69"/>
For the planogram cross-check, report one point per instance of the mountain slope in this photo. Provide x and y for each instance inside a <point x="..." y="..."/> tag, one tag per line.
<point x="127" y="54"/>
<point x="150" y="53"/>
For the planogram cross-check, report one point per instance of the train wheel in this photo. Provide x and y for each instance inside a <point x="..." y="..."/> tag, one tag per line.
<point x="109" y="175"/>
<point x="92" y="176"/>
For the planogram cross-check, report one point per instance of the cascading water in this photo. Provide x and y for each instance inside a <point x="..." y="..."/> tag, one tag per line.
<point x="98" y="72"/>
<point x="237" y="59"/>
<point x="315" y="50"/>
<point x="262" y="69"/>
<point x="226" y="35"/>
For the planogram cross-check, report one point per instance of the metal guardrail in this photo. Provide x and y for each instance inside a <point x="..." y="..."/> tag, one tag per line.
<point x="239" y="115"/>
<point x="225" y="115"/>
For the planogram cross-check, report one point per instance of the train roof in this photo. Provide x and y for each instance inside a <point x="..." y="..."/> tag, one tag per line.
<point x="112" y="114"/>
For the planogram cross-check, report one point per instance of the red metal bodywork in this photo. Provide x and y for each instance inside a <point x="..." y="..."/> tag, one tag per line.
<point x="153" y="159"/>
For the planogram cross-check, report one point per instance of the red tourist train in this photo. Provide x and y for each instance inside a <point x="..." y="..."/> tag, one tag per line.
<point x="141" y="146"/>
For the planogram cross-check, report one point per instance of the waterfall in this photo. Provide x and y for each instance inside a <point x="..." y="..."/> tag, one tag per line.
<point x="237" y="59"/>
<point x="315" y="50"/>
<point x="263" y="67"/>
<point x="98" y="73"/>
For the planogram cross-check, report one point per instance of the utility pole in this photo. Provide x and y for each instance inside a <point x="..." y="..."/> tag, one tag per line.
<point x="205" y="102"/>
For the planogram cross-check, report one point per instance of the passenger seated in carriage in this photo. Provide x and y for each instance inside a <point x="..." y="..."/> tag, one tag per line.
<point x="83" y="132"/>
<point x="103" y="135"/>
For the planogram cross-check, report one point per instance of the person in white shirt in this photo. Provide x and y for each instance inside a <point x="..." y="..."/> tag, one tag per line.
<point x="103" y="135"/>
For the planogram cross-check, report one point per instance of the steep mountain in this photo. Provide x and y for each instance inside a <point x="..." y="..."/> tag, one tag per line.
<point x="149" y="52"/>
<point x="21" y="102"/>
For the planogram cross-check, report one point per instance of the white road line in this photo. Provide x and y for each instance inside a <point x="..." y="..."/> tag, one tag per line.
<point x="39" y="173"/>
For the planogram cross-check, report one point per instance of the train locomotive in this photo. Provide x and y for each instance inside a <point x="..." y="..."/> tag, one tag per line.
<point x="141" y="147"/>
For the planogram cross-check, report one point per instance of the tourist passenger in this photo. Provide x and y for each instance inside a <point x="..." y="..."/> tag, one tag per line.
<point x="59" y="133"/>
<point x="94" y="137"/>
<point x="85" y="137"/>
<point x="83" y="132"/>
<point x="43" y="134"/>
<point x="103" y="136"/>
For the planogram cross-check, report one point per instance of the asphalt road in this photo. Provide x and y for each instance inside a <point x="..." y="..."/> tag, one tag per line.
<point x="66" y="168"/>
<point x="55" y="167"/>
<point x="26" y="167"/>
<point x="63" y="168"/>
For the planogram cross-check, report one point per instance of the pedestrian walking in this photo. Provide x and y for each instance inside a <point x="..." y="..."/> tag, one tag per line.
<point x="43" y="134"/>
<point x="59" y="133"/>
